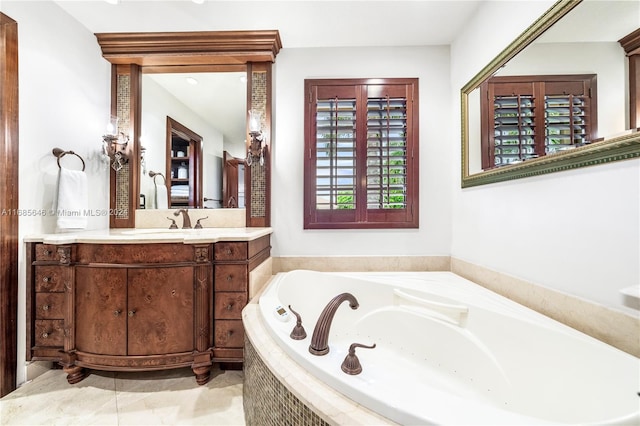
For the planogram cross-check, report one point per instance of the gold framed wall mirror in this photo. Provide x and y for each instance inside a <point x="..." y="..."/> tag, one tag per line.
<point x="548" y="48"/>
<point x="133" y="55"/>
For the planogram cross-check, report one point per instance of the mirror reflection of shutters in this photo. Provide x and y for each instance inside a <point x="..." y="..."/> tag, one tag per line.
<point x="525" y="117"/>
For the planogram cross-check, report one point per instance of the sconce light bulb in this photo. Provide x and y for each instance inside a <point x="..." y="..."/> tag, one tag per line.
<point x="254" y="120"/>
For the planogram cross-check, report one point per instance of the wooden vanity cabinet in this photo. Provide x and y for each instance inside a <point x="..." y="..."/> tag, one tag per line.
<point x="232" y="263"/>
<point x="122" y="307"/>
<point x="49" y="276"/>
<point x="137" y="307"/>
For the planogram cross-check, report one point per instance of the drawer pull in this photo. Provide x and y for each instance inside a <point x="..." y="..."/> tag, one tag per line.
<point x="229" y="333"/>
<point x="229" y="306"/>
<point x="46" y="279"/>
<point x="45" y="307"/>
<point x="45" y="334"/>
<point x="229" y="251"/>
<point x="132" y="313"/>
<point x="229" y="278"/>
<point x="117" y="312"/>
<point x="47" y="252"/>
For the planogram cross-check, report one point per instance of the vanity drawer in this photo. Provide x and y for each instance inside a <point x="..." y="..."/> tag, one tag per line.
<point x="49" y="305"/>
<point x="49" y="278"/>
<point x="47" y="252"/>
<point x="230" y="251"/>
<point x="229" y="334"/>
<point x="230" y="277"/>
<point x="229" y="305"/>
<point x="49" y="332"/>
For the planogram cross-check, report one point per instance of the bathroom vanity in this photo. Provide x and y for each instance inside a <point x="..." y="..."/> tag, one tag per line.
<point x="135" y="300"/>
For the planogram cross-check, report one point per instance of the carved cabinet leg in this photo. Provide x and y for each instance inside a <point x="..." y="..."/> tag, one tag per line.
<point x="75" y="374"/>
<point x="202" y="367"/>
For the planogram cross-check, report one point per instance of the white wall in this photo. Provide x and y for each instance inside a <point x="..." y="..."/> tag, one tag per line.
<point x="64" y="102"/>
<point x="575" y="231"/>
<point x="431" y="66"/>
<point x="157" y="104"/>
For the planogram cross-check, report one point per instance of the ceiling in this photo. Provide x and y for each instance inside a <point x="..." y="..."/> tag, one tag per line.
<point x="309" y="24"/>
<point x="301" y="23"/>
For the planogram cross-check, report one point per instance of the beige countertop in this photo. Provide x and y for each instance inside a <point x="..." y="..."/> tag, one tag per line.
<point x="151" y="235"/>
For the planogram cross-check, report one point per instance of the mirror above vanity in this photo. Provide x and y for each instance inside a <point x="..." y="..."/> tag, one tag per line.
<point x="188" y="121"/>
<point x="557" y="98"/>
<point x="135" y="54"/>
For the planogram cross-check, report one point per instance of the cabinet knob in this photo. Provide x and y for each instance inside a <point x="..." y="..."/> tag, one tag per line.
<point x="46" y="279"/>
<point x="45" y="307"/>
<point x="229" y="333"/>
<point x="132" y="313"/>
<point x="45" y="334"/>
<point x="117" y="312"/>
<point x="47" y="252"/>
<point x="229" y="251"/>
<point x="229" y="306"/>
<point x="229" y="278"/>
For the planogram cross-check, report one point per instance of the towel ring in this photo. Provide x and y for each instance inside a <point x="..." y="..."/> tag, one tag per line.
<point x="154" y="174"/>
<point x="59" y="153"/>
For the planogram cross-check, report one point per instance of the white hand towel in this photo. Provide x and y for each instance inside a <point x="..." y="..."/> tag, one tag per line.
<point x="72" y="204"/>
<point x="162" y="199"/>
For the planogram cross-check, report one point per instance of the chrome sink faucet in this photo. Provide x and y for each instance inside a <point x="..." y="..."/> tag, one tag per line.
<point x="186" y="220"/>
<point x="319" y="341"/>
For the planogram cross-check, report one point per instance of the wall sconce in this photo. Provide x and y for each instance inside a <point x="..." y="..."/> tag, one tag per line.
<point x="256" y="149"/>
<point x="114" y="144"/>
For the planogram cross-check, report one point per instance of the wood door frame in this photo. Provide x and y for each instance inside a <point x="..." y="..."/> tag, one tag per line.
<point x="9" y="200"/>
<point x="230" y="179"/>
<point x="195" y="160"/>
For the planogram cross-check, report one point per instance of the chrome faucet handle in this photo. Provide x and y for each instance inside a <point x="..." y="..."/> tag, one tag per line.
<point x="173" y="224"/>
<point x="351" y="364"/>
<point x="198" y="224"/>
<point x="298" y="332"/>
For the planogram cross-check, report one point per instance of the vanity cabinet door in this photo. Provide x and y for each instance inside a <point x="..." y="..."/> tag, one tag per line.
<point x="101" y="310"/>
<point x="160" y="312"/>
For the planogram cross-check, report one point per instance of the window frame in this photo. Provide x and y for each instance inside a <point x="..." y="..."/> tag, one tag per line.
<point x="362" y="217"/>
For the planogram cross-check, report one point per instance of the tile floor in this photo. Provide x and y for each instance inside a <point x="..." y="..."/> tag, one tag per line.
<point x="169" y="397"/>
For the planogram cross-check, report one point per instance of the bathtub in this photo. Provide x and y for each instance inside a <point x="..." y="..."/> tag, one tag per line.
<point x="451" y="352"/>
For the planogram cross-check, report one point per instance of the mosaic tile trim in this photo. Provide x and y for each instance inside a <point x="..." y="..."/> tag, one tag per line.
<point x="123" y="110"/>
<point x="258" y="206"/>
<point x="258" y="190"/>
<point x="266" y="401"/>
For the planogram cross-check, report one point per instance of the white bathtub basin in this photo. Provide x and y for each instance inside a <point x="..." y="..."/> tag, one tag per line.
<point x="435" y="363"/>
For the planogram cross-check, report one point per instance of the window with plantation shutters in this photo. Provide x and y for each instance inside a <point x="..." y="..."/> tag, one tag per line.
<point x="361" y="153"/>
<point x="525" y="117"/>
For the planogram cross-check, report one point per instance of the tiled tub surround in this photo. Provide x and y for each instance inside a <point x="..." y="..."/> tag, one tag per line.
<point x="614" y="327"/>
<point x="278" y="391"/>
<point x="516" y="391"/>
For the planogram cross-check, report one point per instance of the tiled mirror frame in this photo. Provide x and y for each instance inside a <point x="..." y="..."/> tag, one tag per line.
<point x="131" y="54"/>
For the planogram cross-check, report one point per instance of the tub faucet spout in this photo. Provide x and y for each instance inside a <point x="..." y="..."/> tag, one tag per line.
<point x="186" y="220"/>
<point x="319" y="341"/>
